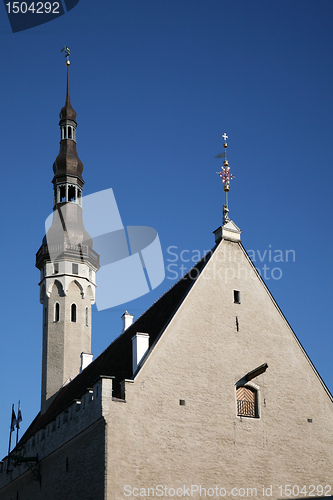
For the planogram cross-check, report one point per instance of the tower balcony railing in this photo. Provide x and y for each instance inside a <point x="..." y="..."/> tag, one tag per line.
<point x="82" y="252"/>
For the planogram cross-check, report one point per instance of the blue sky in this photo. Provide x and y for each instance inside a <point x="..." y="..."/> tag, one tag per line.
<point x="155" y="84"/>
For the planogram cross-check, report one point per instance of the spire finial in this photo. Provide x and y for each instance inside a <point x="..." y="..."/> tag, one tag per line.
<point x="67" y="111"/>
<point x="67" y="53"/>
<point x="226" y="176"/>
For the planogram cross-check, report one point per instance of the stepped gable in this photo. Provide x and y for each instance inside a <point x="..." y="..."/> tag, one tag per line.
<point x="116" y="360"/>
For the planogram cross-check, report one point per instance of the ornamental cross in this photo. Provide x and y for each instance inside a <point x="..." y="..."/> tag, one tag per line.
<point x="224" y="136"/>
<point x="225" y="175"/>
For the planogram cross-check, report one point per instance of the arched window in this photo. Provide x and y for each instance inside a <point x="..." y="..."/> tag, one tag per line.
<point x="87" y="317"/>
<point x="246" y="402"/>
<point x="73" y="313"/>
<point x="56" y="312"/>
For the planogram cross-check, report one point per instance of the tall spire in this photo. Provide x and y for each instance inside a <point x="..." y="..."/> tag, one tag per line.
<point x="68" y="167"/>
<point x="226" y="176"/>
<point x="68" y="266"/>
<point x="67" y="111"/>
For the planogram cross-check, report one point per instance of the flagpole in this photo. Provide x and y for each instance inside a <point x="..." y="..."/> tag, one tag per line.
<point x="18" y="420"/>
<point x="10" y="438"/>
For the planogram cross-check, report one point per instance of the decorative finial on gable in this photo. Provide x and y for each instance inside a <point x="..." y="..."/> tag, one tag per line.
<point x="226" y="176"/>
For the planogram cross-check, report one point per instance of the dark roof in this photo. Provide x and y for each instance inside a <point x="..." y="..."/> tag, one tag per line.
<point x="68" y="161"/>
<point x="67" y="112"/>
<point x="116" y="360"/>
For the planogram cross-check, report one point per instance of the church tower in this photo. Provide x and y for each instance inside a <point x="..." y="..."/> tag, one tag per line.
<point x="67" y="264"/>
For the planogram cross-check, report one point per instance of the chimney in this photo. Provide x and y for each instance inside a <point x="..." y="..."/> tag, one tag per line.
<point x="86" y="359"/>
<point x="127" y="320"/>
<point x="140" y="346"/>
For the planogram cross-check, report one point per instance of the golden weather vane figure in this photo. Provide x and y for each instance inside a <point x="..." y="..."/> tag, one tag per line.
<point x="67" y="54"/>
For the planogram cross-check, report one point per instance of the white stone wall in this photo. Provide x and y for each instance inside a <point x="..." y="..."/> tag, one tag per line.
<point x="64" y="340"/>
<point x="153" y="440"/>
<point x="152" y="443"/>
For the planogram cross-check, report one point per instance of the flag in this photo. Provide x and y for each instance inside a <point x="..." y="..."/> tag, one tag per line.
<point x="19" y="416"/>
<point x="14" y="421"/>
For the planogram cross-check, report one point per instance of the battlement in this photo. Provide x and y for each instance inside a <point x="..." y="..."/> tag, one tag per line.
<point x="92" y="406"/>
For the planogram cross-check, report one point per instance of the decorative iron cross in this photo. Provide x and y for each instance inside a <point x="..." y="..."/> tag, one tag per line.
<point x="225" y="137"/>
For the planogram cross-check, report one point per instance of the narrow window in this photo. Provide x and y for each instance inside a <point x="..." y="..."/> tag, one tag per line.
<point x="75" y="268"/>
<point x="62" y="194"/>
<point x="71" y="193"/>
<point x="73" y="313"/>
<point x="56" y="312"/>
<point x="237" y="297"/>
<point x="55" y="268"/>
<point x="69" y="132"/>
<point x="87" y="316"/>
<point x="246" y="402"/>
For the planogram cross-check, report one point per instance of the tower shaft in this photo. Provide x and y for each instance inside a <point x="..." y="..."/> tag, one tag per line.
<point x="68" y="265"/>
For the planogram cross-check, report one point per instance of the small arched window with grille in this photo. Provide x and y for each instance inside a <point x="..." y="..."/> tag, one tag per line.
<point x="73" y="313"/>
<point x="246" y="402"/>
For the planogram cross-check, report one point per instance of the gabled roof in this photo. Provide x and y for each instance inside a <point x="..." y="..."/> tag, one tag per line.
<point x="116" y="360"/>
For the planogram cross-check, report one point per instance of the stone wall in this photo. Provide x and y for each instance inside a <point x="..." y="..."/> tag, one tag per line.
<point x="71" y="455"/>
<point x="154" y="440"/>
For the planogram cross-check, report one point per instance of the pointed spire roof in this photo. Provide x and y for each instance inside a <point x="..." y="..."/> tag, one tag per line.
<point x="67" y="112"/>
<point x="68" y="161"/>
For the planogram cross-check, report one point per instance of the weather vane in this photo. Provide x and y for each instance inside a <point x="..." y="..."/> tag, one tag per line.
<point x="67" y="53"/>
<point x="226" y="177"/>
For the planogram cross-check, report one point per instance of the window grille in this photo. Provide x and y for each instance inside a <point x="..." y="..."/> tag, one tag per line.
<point x="246" y="402"/>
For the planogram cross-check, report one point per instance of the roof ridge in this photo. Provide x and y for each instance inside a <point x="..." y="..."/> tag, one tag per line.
<point x="116" y="359"/>
<point x="172" y="286"/>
